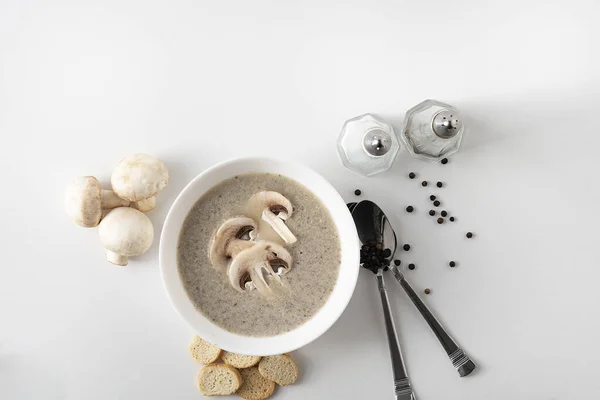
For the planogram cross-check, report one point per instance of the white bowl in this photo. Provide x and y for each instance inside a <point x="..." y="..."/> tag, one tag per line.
<point x="305" y="333"/>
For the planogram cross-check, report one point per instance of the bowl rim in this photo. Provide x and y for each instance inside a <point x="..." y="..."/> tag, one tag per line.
<point x="300" y="336"/>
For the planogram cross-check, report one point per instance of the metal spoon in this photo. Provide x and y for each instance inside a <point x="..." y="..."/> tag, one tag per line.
<point x="370" y="227"/>
<point x="459" y="359"/>
<point x="351" y="206"/>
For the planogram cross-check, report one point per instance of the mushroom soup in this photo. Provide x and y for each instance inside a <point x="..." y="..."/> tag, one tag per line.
<point x="259" y="254"/>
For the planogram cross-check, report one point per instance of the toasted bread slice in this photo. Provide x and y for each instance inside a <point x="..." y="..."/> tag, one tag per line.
<point x="280" y="369"/>
<point x="254" y="385"/>
<point x="219" y="380"/>
<point x="238" y="360"/>
<point x="204" y="352"/>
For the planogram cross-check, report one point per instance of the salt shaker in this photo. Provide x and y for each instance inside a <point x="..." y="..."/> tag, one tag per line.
<point x="432" y="130"/>
<point x="367" y="145"/>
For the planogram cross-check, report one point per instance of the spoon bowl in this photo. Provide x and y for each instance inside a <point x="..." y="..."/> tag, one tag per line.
<point x="373" y="226"/>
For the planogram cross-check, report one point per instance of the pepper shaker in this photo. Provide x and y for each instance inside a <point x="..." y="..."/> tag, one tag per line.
<point x="367" y="145"/>
<point x="432" y="130"/>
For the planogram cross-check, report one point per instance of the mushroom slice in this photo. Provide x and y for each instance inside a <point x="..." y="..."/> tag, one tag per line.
<point x="232" y="237"/>
<point x="257" y="262"/>
<point x="274" y="209"/>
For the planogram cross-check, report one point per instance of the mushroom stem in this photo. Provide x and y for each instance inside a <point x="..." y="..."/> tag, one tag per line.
<point x="116" y="259"/>
<point x="272" y="273"/>
<point x="278" y="226"/>
<point x="145" y="205"/>
<point x="110" y="200"/>
<point x="259" y="281"/>
<point x="236" y="246"/>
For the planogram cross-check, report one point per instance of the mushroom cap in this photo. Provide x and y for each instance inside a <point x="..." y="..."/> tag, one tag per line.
<point x="227" y="241"/>
<point x="126" y="231"/>
<point x="83" y="201"/>
<point x="138" y="177"/>
<point x="273" y="201"/>
<point x="250" y="264"/>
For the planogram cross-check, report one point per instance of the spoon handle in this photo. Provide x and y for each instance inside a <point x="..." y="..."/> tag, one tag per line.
<point x="402" y="388"/>
<point x="460" y="360"/>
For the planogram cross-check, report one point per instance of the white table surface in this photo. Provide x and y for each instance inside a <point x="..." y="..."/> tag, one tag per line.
<point x="85" y="83"/>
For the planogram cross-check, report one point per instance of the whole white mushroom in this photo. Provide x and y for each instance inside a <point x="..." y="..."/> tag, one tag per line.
<point x="138" y="178"/>
<point x="125" y="232"/>
<point x="85" y="199"/>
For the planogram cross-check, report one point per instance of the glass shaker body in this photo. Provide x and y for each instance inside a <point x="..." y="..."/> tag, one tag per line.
<point x="367" y="145"/>
<point x="432" y="130"/>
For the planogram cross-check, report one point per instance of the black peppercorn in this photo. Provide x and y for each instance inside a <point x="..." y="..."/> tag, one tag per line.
<point x="469" y="235"/>
<point x="397" y="262"/>
<point x="444" y="161"/>
<point x="440" y="220"/>
<point x="412" y="175"/>
<point x="436" y="203"/>
<point x="452" y="219"/>
<point x="439" y="184"/>
<point x="410" y="209"/>
<point x="444" y="213"/>
<point x="387" y="253"/>
<point x="411" y="266"/>
<point x="432" y="212"/>
<point x="432" y="197"/>
<point x="357" y="192"/>
<point x="427" y="291"/>
<point x="424" y="183"/>
<point x="452" y="264"/>
<point x="406" y="247"/>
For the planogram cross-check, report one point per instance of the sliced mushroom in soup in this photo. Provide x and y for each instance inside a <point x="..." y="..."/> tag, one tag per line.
<point x="250" y="251"/>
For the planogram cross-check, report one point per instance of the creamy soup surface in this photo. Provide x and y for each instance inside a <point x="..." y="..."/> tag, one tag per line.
<point x="316" y="258"/>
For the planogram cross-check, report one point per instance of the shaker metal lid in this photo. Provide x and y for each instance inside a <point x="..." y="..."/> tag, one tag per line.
<point x="377" y="142"/>
<point x="446" y="124"/>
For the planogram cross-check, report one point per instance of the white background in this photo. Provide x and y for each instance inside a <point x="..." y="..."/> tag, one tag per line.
<point x="193" y="82"/>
